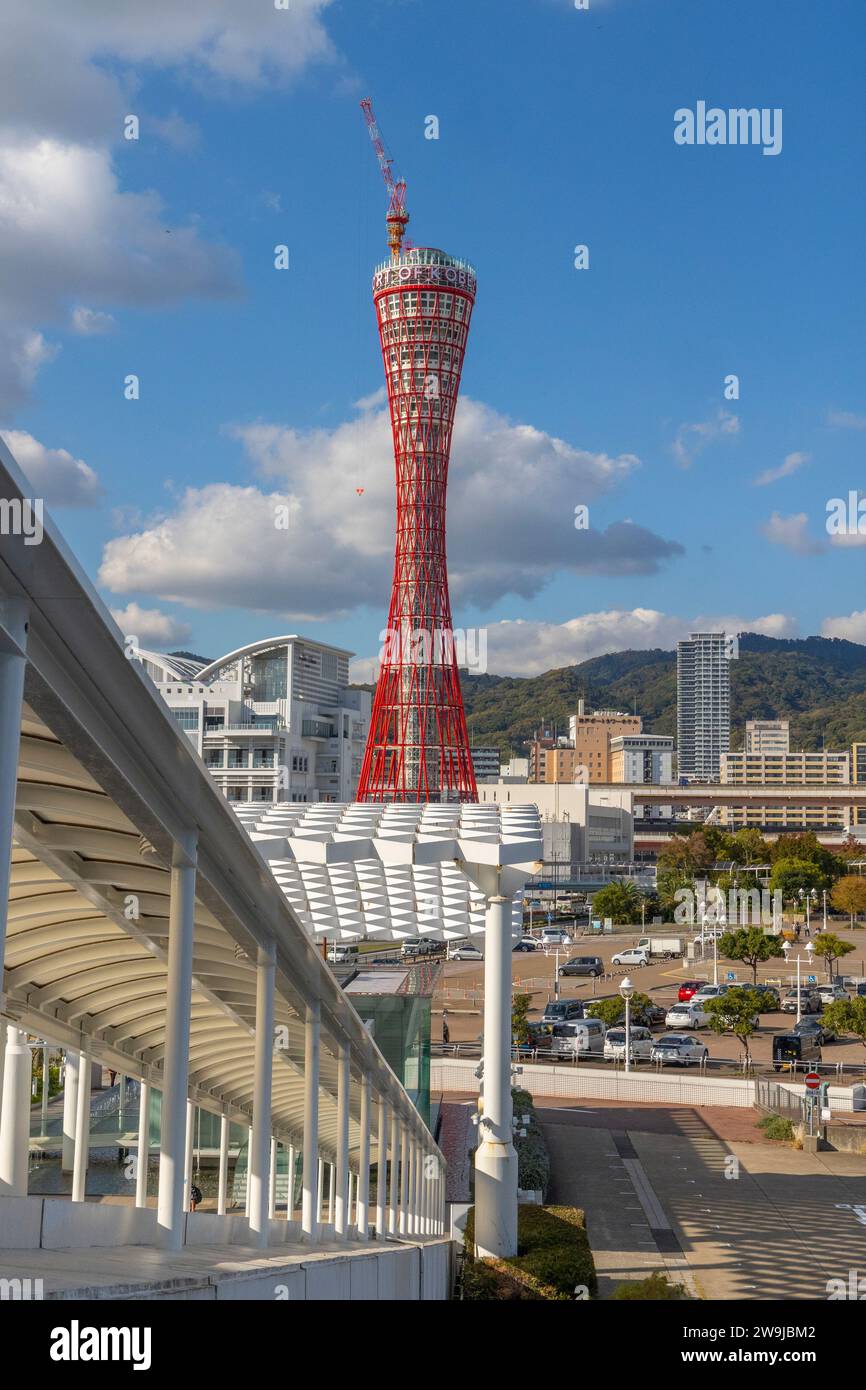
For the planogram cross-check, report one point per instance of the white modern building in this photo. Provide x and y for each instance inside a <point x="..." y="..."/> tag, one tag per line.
<point x="643" y="758"/>
<point x="600" y="821"/>
<point x="703" y="704"/>
<point x="768" y="736"/>
<point x="273" y="721"/>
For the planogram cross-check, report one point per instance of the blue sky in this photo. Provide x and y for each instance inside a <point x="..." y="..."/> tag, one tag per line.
<point x="602" y="386"/>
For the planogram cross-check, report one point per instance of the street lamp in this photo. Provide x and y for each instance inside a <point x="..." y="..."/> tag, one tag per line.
<point x="626" y="989"/>
<point x="810" y="898"/>
<point x="810" y="952"/>
<point x="825" y="908"/>
<point x="723" y="921"/>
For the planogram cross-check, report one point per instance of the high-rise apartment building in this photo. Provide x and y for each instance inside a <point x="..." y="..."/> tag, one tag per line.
<point x="703" y="704"/>
<point x="767" y="736"/>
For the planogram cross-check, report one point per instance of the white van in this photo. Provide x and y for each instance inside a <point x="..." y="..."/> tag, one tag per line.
<point x="581" y="1037"/>
<point x="342" y="954"/>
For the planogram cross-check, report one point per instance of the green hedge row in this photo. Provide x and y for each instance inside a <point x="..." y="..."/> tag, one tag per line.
<point x="554" y="1260"/>
<point x="533" y="1160"/>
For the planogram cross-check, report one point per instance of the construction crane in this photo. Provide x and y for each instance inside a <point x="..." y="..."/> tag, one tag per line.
<point x="397" y="216"/>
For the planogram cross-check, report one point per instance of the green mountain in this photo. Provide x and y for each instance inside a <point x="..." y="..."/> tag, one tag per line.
<point x="818" y="683"/>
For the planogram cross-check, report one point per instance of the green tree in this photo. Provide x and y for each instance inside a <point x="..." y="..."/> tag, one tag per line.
<point x="832" y="948"/>
<point x="519" y="1021"/>
<point x="751" y="945"/>
<point x="612" y="1011"/>
<point x="735" y="1012"/>
<point x="748" y="846"/>
<point x="849" y="895"/>
<point x="669" y="882"/>
<point x="790" y="875"/>
<point x="847" y="1016"/>
<point x="806" y="846"/>
<point x="618" y="901"/>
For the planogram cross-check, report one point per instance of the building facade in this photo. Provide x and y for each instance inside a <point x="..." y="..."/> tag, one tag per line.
<point x="644" y="758"/>
<point x="703" y="705"/>
<point x="785" y="769"/>
<point x="767" y="736"/>
<point x="274" y="721"/>
<point x="485" y="762"/>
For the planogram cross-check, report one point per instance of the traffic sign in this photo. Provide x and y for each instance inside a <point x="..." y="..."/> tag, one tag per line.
<point x="732" y="975"/>
<point x="813" y="1081"/>
<point x="811" y="979"/>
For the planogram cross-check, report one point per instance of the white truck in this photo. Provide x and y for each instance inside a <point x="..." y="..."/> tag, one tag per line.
<point x="664" y="946"/>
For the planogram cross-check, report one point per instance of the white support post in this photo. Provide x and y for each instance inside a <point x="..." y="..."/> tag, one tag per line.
<point x="172" y="1148"/>
<point x="353" y="1193"/>
<point x="13" y="661"/>
<point x="332" y="1173"/>
<point x="272" y="1181"/>
<point x="142" y="1157"/>
<point x="262" y="1087"/>
<point x="495" y="1157"/>
<point x="249" y="1165"/>
<point x="425" y="1190"/>
<point x="187" y="1155"/>
<point x="419" y="1187"/>
<point x="71" y="1070"/>
<point x="121" y="1103"/>
<point x="395" y="1173"/>
<point x="290" y="1191"/>
<point x="410" y="1206"/>
<point x="310" y="1213"/>
<point x="45" y="1068"/>
<point x="362" y="1209"/>
<point x="382" y="1170"/>
<point x="323" y="1201"/>
<point x="223" y="1176"/>
<point x="340" y="1173"/>
<point x="15" y="1113"/>
<point x="404" y="1178"/>
<point x="82" y="1130"/>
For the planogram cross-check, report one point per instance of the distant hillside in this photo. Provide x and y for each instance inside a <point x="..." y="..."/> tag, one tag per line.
<point x="818" y="683"/>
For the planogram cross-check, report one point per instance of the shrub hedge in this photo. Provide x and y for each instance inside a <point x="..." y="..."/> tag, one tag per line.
<point x="553" y="1259"/>
<point x="656" y="1286"/>
<point x="533" y="1160"/>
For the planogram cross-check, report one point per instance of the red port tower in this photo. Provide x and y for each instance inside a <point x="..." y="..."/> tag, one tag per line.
<point x="418" y="747"/>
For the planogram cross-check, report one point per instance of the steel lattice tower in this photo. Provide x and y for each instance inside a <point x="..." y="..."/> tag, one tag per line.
<point x="418" y="747"/>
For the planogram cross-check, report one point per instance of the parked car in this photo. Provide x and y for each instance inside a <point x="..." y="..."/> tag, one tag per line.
<point x="797" y="1049"/>
<point x="688" y="1015"/>
<point x="710" y="992"/>
<point x="526" y="943"/>
<point x="650" y="1015"/>
<point x="771" y="1000"/>
<point x="583" y="1037"/>
<point x="635" y="955"/>
<point x="555" y="936"/>
<point x="710" y="934"/>
<point x="563" y="1011"/>
<point x="856" y="988"/>
<point x="640" y="1043"/>
<point x="810" y="1002"/>
<point x="539" y="1038"/>
<point x="679" y="1048"/>
<point x="817" y="1028"/>
<point x="419" y="946"/>
<point x="342" y="954"/>
<point x="466" y="951"/>
<point x="688" y="988"/>
<point x="828" y="994"/>
<point x="583" y="965"/>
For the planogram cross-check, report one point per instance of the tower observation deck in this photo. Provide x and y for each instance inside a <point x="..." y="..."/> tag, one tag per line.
<point x="418" y="747"/>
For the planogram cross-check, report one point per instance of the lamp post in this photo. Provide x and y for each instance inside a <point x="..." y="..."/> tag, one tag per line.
<point x="825" y="908"/>
<point x="722" y="924"/>
<point x="810" y="952"/>
<point x="626" y="989"/>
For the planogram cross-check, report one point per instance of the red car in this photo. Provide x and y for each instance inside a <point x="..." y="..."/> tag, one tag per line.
<point x="688" y="988"/>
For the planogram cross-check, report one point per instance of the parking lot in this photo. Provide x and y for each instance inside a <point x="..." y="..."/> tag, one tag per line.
<point x="461" y="983"/>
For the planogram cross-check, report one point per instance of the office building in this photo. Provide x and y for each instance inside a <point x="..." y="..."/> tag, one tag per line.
<point x="485" y="762"/>
<point x="767" y="736"/>
<point x="703" y="705"/>
<point x="784" y="769"/>
<point x="644" y="758"/>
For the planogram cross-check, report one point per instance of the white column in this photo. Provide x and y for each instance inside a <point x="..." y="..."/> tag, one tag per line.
<point x="249" y="1164"/>
<point x="332" y="1177"/>
<point x="15" y="1114"/>
<point x="45" y="1089"/>
<point x="143" y="1155"/>
<point x="410" y="1205"/>
<point x="363" y="1204"/>
<point x="353" y="1194"/>
<point x="382" y="1169"/>
<point x="223" y="1176"/>
<point x="425" y="1189"/>
<point x="82" y="1129"/>
<point x="419" y="1187"/>
<point x="187" y="1154"/>
<point x="272" y="1181"/>
<point x="495" y="1158"/>
<point x="310" y="1214"/>
<point x="340" y="1173"/>
<point x="13" y="646"/>
<point x="290" y="1190"/>
<point x="121" y="1102"/>
<point x="322" y="1198"/>
<point x="395" y="1174"/>
<point x="404" y="1179"/>
<point x="262" y="1087"/>
<point x="181" y="926"/>
<point x="71" y="1072"/>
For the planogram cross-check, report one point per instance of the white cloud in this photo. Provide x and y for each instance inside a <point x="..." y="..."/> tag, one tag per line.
<point x="57" y="477"/>
<point x="511" y="499"/>
<point x="68" y="231"/>
<point x="529" y="648"/>
<point x="846" y="420"/>
<point x="91" y="322"/>
<point x="853" y="627"/>
<point x="790" y="465"/>
<point x="791" y="532"/>
<point x="691" y="440"/>
<point x="150" y="627"/>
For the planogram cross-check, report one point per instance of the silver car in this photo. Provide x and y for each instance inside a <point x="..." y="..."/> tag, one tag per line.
<point x="679" y="1048"/>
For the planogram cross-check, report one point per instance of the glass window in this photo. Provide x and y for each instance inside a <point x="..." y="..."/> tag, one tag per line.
<point x="186" y="718"/>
